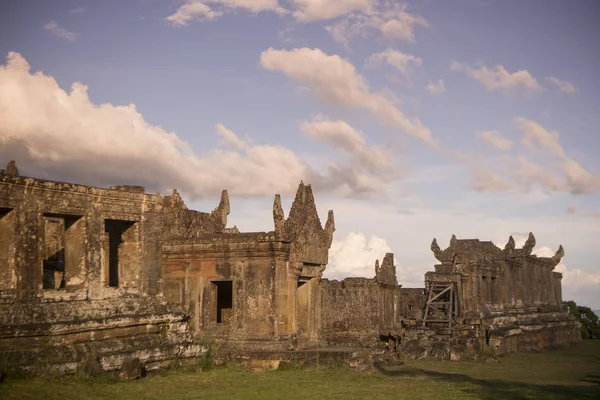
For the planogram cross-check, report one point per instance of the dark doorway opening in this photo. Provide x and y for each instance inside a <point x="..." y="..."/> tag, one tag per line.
<point x="56" y="227"/>
<point x="4" y="212"/>
<point x="224" y="301"/>
<point x="115" y="229"/>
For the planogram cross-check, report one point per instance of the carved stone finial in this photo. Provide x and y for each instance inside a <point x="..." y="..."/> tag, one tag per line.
<point x="437" y="252"/>
<point x="510" y="245"/>
<point x="452" y="241"/>
<point x="529" y="244"/>
<point x="560" y="253"/>
<point x="11" y="168"/>
<point x="278" y="216"/>
<point x="219" y="214"/>
<point x="330" y="226"/>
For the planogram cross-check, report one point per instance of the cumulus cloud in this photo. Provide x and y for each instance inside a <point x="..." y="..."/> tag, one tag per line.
<point x="340" y="134"/>
<point x="496" y="140"/>
<point x="389" y="18"/>
<point x="58" y="134"/>
<point x="318" y="10"/>
<point x="335" y="81"/>
<point x="63" y="135"/>
<point x="62" y="33"/>
<point x="201" y="10"/>
<point x="498" y="79"/>
<point x="402" y="62"/>
<point x="563" y="86"/>
<point x="229" y="138"/>
<point x="355" y="255"/>
<point x="438" y="88"/>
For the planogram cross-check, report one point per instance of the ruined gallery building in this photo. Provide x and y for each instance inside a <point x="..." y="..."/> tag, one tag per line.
<point x="116" y="274"/>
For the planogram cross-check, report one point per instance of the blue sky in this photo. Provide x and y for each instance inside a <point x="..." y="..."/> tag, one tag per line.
<point x="411" y="120"/>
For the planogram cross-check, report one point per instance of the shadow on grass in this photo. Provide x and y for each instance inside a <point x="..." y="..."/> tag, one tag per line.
<point x="497" y="389"/>
<point x="592" y="379"/>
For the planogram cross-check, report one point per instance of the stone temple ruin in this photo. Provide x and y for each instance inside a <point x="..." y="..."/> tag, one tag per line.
<point x="118" y="279"/>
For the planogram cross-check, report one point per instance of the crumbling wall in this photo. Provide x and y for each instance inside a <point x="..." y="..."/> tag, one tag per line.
<point x="180" y="223"/>
<point x="81" y="276"/>
<point x="362" y="310"/>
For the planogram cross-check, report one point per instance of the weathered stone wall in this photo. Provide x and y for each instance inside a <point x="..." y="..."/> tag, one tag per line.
<point x="43" y="216"/>
<point x="361" y="310"/>
<point x="273" y="276"/>
<point x="68" y="335"/>
<point x="83" y="271"/>
<point x="251" y="263"/>
<point x="80" y="272"/>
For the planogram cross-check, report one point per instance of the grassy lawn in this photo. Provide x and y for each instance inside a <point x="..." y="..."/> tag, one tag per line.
<point x="567" y="374"/>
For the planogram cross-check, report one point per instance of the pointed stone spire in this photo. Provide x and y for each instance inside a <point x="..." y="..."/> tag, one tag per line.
<point x="330" y="226"/>
<point x="278" y="217"/>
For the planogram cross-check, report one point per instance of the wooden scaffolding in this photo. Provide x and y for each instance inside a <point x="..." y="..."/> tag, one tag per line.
<point x="441" y="303"/>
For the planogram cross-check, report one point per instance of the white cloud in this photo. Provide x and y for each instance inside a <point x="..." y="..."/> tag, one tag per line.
<point x="390" y="19"/>
<point x="534" y="133"/>
<point x="556" y="173"/>
<point x="400" y="61"/>
<point x="377" y="160"/>
<point x="438" y="88"/>
<point x="335" y="81"/>
<point x="526" y="174"/>
<point x="496" y="139"/>
<point x="77" y="10"/>
<point x="578" y="180"/>
<point x="62" y="33"/>
<point x="317" y="10"/>
<point x="339" y="133"/>
<point x="190" y="11"/>
<point x="486" y="180"/>
<point x="201" y="11"/>
<point x="563" y="86"/>
<point x="499" y="78"/>
<point x="355" y="256"/>
<point x="63" y="135"/>
<point x="229" y="138"/>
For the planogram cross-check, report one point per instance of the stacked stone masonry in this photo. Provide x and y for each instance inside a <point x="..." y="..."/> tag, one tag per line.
<point x="118" y="277"/>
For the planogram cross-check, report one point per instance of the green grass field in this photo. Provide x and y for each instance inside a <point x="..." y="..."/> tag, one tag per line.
<point x="567" y="374"/>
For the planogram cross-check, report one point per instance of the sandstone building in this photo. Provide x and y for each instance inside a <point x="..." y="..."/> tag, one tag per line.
<point x="107" y="276"/>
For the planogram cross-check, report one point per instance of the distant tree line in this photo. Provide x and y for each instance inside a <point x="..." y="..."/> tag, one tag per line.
<point x="590" y="326"/>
